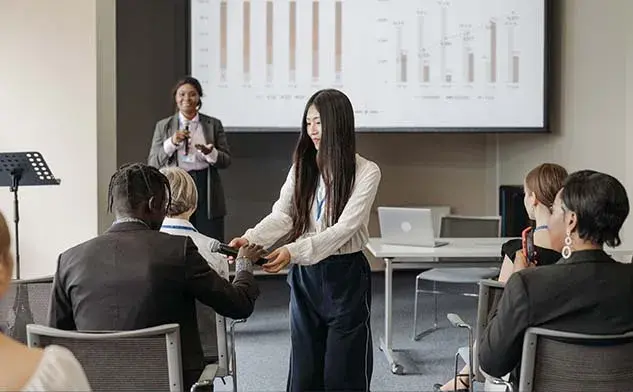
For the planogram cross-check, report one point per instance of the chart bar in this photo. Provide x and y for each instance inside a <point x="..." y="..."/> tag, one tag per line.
<point x="421" y="63"/>
<point x="443" y="44"/>
<point x="293" y="41"/>
<point x="515" y="68"/>
<point x="223" y="41"/>
<point x="400" y="66"/>
<point x="246" y="41"/>
<point x="427" y="73"/>
<point x="338" y="40"/>
<point x="315" y="41"/>
<point x="269" y="41"/>
<point x="403" y="65"/>
<point x="471" y="67"/>
<point x="493" y="52"/>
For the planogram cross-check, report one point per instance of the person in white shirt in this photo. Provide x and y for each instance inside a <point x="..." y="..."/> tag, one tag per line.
<point x="184" y="199"/>
<point x="32" y="369"/>
<point x="197" y="143"/>
<point x="322" y="215"/>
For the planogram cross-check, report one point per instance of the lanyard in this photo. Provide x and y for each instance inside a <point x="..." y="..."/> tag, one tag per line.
<point x="319" y="207"/>
<point x="179" y="227"/>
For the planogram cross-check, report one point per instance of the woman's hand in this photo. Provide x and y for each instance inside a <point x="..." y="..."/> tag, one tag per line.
<point x="520" y="262"/>
<point x="204" y="149"/>
<point x="179" y="136"/>
<point x="277" y="260"/>
<point x="237" y="243"/>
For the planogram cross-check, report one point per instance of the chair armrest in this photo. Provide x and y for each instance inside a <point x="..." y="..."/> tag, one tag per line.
<point x="206" y="378"/>
<point x="457" y="321"/>
<point x="497" y="381"/>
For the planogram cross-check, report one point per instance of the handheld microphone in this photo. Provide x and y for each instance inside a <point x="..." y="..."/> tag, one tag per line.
<point x="217" y="246"/>
<point x="187" y="139"/>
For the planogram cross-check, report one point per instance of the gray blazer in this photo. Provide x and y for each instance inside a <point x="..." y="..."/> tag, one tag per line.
<point x="213" y="133"/>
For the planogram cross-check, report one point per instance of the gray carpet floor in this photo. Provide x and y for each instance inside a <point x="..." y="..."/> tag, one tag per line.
<point x="263" y="342"/>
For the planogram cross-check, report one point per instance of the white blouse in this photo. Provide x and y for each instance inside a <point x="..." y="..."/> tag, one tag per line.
<point x="58" y="370"/>
<point x="348" y="235"/>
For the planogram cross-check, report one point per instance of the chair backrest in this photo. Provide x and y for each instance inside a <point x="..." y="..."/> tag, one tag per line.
<point x="213" y="336"/>
<point x="456" y="226"/>
<point x="140" y="360"/>
<point x="563" y="361"/>
<point x="26" y="302"/>
<point x="490" y="292"/>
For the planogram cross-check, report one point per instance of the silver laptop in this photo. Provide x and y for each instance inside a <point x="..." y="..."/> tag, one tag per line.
<point x="407" y="226"/>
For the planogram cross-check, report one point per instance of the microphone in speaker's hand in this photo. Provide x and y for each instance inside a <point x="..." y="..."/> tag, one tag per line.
<point x="252" y="252"/>
<point x="187" y="136"/>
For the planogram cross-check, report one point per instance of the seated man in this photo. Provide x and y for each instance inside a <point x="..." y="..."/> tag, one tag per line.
<point x="585" y="292"/>
<point x="133" y="276"/>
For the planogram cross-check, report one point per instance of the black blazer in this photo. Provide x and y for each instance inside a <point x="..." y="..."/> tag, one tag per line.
<point x="132" y="277"/>
<point x="214" y="134"/>
<point x="588" y="293"/>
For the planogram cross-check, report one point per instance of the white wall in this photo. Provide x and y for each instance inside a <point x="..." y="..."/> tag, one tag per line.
<point x="48" y="103"/>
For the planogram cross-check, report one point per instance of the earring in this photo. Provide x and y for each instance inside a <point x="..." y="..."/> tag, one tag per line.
<point x="567" y="248"/>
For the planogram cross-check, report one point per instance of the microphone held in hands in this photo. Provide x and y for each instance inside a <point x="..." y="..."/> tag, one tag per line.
<point x="187" y="138"/>
<point x="217" y="246"/>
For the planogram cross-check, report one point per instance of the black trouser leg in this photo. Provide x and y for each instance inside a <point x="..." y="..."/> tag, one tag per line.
<point x="307" y="331"/>
<point x="349" y="349"/>
<point x="330" y="325"/>
<point x="213" y="227"/>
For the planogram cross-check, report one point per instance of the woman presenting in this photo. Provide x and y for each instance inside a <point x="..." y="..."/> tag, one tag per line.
<point x="196" y="143"/>
<point x="322" y="215"/>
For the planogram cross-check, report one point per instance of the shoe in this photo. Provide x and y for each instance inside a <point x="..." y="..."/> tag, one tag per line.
<point x="438" y="388"/>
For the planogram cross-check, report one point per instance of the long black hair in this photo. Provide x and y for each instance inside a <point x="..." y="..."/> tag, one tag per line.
<point x="335" y="160"/>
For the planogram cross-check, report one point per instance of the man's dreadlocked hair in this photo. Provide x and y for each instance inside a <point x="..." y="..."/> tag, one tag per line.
<point x="135" y="183"/>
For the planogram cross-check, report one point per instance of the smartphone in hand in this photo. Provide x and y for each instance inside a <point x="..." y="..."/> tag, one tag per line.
<point x="529" y="251"/>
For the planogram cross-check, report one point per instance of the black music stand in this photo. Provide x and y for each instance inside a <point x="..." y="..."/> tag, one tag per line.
<point x="26" y="169"/>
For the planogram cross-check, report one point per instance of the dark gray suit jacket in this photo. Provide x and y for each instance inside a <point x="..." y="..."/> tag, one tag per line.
<point x="214" y="134"/>
<point x="132" y="277"/>
<point x="588" y="293"/>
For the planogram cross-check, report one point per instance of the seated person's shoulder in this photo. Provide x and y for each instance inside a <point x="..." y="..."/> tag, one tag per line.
<point x="58" y="370"/>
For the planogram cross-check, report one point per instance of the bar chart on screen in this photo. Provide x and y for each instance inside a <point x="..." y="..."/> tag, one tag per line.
<point x="403" y="63"/>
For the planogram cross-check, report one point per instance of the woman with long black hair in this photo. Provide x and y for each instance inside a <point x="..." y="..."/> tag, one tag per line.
<point x="322" y="215"/>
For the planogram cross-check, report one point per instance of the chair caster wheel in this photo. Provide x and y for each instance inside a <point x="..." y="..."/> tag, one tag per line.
<point x="397" y="369"/>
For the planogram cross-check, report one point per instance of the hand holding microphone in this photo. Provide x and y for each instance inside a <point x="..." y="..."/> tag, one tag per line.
<point x="179" y="136"/>
<point x="253" y="252"/>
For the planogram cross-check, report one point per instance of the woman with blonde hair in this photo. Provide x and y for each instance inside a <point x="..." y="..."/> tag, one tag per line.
<point x="32" y="369"/>
<point x="184" y="200"/>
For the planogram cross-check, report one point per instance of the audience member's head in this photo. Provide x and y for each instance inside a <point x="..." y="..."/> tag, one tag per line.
<point x="139" y="191"/>
<point x="184" y="195"/>
<point x="541" y="186"/>
<point x="589" y="212"/>
<point x="6" y="260"/>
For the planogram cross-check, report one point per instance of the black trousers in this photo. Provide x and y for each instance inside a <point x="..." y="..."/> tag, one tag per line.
<point x="330" y="304"/>
<point x="213" y="227"/>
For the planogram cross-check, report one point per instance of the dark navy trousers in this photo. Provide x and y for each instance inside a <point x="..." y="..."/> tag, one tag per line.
<point x="330" y="305"/>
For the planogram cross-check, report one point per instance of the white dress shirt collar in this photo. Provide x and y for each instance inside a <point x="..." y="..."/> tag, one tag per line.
<point x="182" y="119"/>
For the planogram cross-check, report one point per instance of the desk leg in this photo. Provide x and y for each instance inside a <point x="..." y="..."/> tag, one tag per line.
<point x="387" y="341"/>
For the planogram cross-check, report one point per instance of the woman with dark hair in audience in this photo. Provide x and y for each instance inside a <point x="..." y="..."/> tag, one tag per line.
<point x="540" y="186"/>
<point x="586" y="291"/>
<point x="32" y="369"/>
<point x="196" y="143"/>
<point x="322" y="214"/>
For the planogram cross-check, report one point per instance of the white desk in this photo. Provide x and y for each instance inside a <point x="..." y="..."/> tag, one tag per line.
<point x="477" y="252"/>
